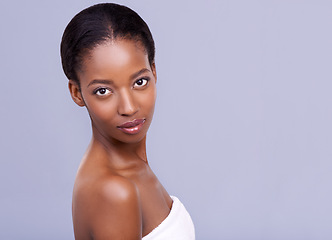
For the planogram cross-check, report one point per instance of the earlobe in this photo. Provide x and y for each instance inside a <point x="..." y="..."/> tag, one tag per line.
<point x="75" y="93"/>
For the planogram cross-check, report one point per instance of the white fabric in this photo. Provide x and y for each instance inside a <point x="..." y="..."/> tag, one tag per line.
<point x="176" y="226"/>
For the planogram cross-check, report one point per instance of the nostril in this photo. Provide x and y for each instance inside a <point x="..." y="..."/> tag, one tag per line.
<point x="127" y="108"/>
<point x="128" y="113"/>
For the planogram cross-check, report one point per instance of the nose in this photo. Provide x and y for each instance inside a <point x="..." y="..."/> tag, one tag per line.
<point x="127" y="105"/>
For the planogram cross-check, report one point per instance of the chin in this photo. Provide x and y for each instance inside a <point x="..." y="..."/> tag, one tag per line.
<point x="128" y="139"/>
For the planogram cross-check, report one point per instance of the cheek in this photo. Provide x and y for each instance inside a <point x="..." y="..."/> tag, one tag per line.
<point x="148" y="100"/>
<point x="101" y="110"/>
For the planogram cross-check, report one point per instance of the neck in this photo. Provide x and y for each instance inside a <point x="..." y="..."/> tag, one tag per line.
<point x="118" y="152"/>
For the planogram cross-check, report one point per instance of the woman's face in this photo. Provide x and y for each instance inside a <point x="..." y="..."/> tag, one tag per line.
<point x="118" y="87"/>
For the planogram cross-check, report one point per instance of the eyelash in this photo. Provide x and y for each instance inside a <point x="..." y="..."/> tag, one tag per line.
<point x="147" y="79"/>
<point x="101" y="88"/>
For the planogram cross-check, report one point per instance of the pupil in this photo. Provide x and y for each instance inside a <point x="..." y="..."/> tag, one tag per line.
<point x="102" y="91"/>
<point x="140" y="82"/>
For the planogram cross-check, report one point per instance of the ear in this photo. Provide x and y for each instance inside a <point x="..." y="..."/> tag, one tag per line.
<point x="75" y="93"/>
<point x="154" y="72"/>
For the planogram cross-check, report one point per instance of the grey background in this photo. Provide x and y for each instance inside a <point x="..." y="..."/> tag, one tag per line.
<point x="242" y="129"/>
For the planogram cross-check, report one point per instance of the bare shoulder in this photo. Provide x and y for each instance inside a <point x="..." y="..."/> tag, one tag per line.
<point x="115" y="189"/>
<point x="107" y="208"/>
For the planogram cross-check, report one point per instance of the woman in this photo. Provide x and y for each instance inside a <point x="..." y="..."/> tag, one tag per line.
<point x="107" y="54"/>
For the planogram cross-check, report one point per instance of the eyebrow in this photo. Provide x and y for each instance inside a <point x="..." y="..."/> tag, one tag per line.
<point x="102" y="81"/>
<point x="135" y="75"/>
<point x="105" y="81"/>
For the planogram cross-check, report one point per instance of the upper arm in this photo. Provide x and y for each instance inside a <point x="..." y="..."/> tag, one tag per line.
<point x="115" y="211"/>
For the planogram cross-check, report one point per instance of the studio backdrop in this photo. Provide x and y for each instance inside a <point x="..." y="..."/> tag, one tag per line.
<point x="242" y="131"/>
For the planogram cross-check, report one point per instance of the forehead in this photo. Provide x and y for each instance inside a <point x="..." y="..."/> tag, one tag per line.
<point x="116" y="58"/>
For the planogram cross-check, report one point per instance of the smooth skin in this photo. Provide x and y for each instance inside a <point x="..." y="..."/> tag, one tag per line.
<point x="116" y="195"/>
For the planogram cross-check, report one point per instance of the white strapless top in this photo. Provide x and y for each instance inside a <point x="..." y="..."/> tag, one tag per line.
<point x="176" y="226"/>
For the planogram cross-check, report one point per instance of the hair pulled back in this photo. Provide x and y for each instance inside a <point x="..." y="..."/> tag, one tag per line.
<point x="97" y="24"/>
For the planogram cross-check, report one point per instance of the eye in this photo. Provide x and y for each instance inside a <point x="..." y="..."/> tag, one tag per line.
<point x="102" y="91"/>
<point x="141" y="83"/>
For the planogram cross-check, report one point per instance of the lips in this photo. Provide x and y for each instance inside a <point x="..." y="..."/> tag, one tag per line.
<point x="132" y="127"/>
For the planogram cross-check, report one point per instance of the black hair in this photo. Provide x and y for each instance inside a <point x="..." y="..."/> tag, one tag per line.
<point x="97" y="24"/>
